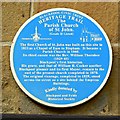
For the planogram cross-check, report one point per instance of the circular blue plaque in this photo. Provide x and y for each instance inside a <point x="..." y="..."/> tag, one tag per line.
<point x="61" y="57"/>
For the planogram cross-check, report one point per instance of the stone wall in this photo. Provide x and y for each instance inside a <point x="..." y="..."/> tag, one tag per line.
<point x="14" y="14"/>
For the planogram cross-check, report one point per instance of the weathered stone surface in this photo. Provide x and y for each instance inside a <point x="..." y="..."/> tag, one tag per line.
<point x="15" y="101"/>
<point x="14" y="14"/>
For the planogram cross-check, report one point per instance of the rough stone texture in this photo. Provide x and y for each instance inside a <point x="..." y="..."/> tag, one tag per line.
<point x="0" y="22"/>
<point x="0" y="80"/>
<point x="104" y="103"/>
<point x="13" y="16"/>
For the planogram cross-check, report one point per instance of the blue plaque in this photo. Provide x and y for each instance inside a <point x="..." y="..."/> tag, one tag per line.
<point x="61" y="57"/>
